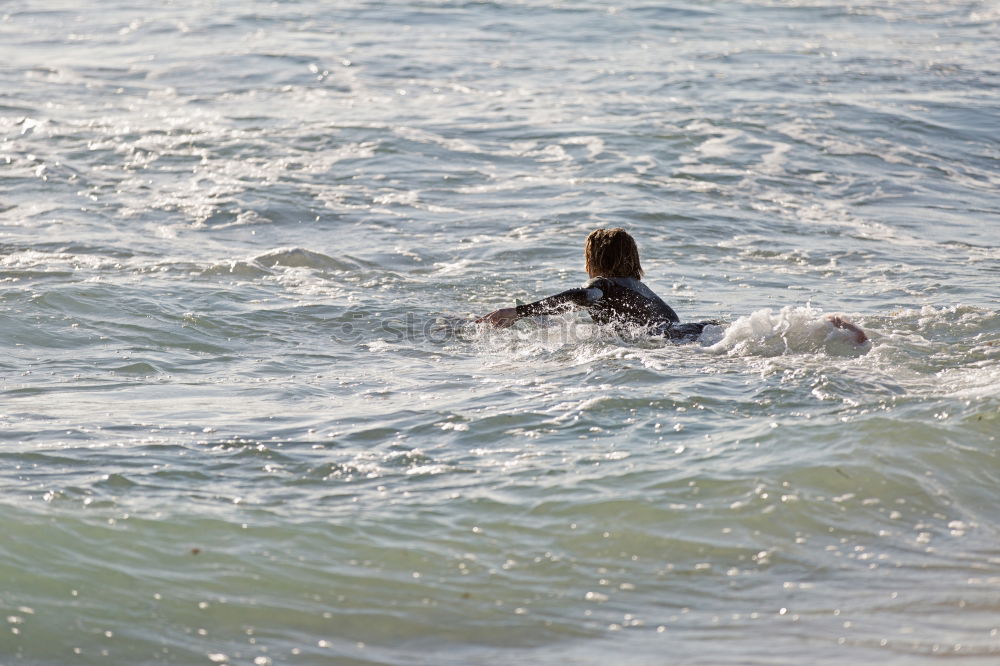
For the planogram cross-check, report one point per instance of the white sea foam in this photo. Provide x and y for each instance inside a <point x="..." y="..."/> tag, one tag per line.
<point x="791" y="330"/>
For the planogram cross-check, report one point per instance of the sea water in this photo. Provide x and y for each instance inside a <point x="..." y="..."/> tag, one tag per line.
<point x="246" y="418"/>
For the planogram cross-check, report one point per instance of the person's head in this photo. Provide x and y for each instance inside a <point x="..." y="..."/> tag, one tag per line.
<point x="612" y="253"/>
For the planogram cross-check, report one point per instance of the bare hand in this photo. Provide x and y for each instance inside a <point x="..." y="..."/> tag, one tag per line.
<point x="838" y="321"/>
<point x="501" y="318"/>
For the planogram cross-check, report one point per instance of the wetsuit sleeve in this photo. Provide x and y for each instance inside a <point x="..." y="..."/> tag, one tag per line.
<point x="579" y="297"/>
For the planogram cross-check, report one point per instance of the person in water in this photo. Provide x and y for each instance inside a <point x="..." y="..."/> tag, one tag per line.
<point x="615" y="294"/>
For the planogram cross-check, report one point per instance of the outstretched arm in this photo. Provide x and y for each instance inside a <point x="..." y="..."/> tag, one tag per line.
<point x="505" y="317"/>
<point x="838" y="321"/>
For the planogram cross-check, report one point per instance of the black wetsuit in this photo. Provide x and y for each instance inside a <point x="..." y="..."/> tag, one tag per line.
<point x="625" y="303"/>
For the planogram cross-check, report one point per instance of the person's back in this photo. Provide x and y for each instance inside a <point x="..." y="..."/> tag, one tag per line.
<point x="625" y="301"/>
<point x="626" y="304"/>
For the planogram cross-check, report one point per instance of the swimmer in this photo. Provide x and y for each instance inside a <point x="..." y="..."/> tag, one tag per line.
<point x="615" y="295"/>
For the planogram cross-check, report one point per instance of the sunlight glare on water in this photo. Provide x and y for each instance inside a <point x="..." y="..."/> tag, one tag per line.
<point x="247" y="416"/>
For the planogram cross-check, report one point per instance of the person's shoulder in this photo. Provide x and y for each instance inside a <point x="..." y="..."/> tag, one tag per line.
<point x="595" y="288"/>
<point x="597" y="283"/>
